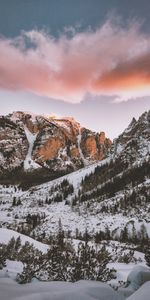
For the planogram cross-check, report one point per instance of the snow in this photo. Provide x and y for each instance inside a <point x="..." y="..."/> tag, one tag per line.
<point x="83" y="290"/>
<point x="137" y="286"/>
<point x="71" y="217"/>
<point x="16" y="115"/>
<point x="1" y="156"/>
<point x="74" y="178"/>
<point x="64" y="125"/>
<point x="28" y="162"/>
<point x="142" y="294"/>
<point x="79" y="147"/>
<point x="122" y="270"/>
<point x="7" y="234"/>
<point x="131" y="276"/>
<point x="118" y="148"/>
<point x="12" y="268"/>
<point x="138" y="276"/>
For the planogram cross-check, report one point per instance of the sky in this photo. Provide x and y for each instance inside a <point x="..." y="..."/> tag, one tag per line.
<point x="89" y="59"/>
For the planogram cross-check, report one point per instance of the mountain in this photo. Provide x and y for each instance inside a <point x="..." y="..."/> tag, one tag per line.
<point x="133" y="144"/>
<point x="35" y="148"/>
<point x="113" y="193"/>
<point x="94" y="219"/>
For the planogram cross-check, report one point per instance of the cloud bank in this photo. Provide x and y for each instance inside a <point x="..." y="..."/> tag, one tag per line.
<point x="111" y="60"/>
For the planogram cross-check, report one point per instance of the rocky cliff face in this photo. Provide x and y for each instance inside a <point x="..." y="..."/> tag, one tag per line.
<point x="94" y="145"/>
<point x="41" y="144"/>
<point x="133" y="145"/>
<point x="13" y="146"/>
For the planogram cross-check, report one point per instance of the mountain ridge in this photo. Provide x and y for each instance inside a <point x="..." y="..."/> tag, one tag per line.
<point x="46" y="147"/>
<point x="110" y="193"/>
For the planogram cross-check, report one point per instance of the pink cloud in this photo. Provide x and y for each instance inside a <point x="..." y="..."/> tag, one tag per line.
<point x="111" y="60"/>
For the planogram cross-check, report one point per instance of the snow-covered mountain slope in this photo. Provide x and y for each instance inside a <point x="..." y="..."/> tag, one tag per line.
<point x="113" y="193"/>
<point x="36" y="148"/>
<point x="104" y="208"/>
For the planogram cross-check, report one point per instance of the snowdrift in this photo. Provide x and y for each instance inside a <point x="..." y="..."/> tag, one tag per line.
<point x="137" y="277"/>
<point x="82" y="290"/>
<point x="143" y="293"/>
<point x="137" y="288"/>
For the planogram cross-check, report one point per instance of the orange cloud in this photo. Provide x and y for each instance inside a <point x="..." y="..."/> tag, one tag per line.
<point x="111" y="60"/>
<point x="132" y="74"/>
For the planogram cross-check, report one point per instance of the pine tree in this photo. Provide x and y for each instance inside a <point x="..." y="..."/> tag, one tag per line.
<point x="2" y="256"/>
<point x="147" y="255"/>
<point x="60" y="236"/>
<point x="134" y="234"/>
<point x="143" y="236"/>
<point x="14" y="201"/>
<point x="124" y="236"/>
<point x="18" y="243"/>
<point x="11" y="248"/>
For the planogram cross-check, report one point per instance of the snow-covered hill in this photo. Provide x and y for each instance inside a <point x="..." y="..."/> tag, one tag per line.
<point x="6" y="235"/>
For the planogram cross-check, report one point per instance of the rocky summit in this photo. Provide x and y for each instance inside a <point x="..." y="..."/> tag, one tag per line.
<point x="43" y="148"/>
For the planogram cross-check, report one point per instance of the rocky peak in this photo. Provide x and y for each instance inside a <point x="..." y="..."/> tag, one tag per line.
<point x="102" y="138"/>
<point x="69" y="125"/>
<point x="54" y="145"/>
<point x="135" y="140"/>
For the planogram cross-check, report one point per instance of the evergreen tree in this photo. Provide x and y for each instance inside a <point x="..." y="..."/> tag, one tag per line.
<point x="3" y="256"/>
<point x="18" y="243"/>
<point x="124" y="236"/>
<point x="147" y="255"/>
<point x="60" y="236"/>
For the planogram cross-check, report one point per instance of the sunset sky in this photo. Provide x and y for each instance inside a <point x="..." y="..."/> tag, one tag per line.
<point x="89" y="59"/>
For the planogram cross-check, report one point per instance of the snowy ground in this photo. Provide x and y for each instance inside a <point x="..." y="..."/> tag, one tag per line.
<point x="7" y="234"/>
<point x="77" y="217"/>
<point x="57" y="291"/>
<point x="116" y="249"/>
<point x="138" y="288"/>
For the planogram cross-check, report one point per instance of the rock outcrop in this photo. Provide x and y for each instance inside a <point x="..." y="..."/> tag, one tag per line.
<point x="35" y="143"/>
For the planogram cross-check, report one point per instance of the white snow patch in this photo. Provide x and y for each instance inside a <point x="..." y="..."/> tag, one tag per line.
<point x="141" y="294"/>
<point x="29" y="163"/>
<point x="123" y="270"/>
<point x="80" y="150"/>
<point x="13" y="268"/>
<point x="82" y="290"/>
<point x="7" y="234"/>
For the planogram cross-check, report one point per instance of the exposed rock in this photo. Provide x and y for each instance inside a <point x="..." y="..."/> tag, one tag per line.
<point x="90" y="147"/>
<point x="94" y="146"/>
<point x="54" y="144"/>
<point x="74" y="152"/>
<point x="102" y="138"/>
<point x="50" y="149"/>
<point x="13" y="146"/>
<point x="133" y="143"/>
